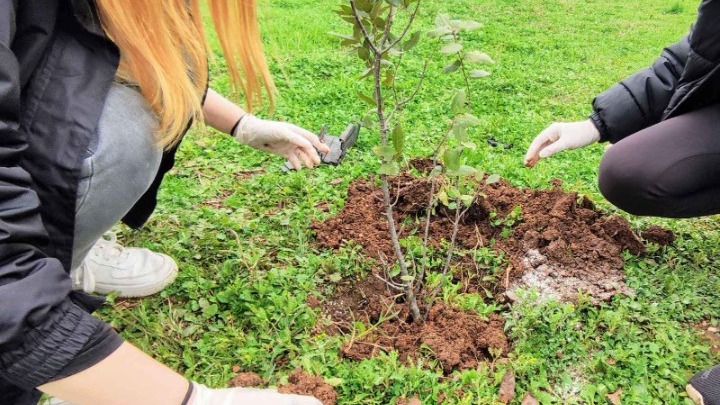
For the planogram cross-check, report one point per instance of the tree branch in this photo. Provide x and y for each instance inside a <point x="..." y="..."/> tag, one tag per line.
<point x="358" y="21"/>
<point x="407" y="28"/>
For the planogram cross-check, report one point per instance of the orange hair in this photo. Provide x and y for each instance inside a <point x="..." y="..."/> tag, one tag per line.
<point x="163" y="51"/>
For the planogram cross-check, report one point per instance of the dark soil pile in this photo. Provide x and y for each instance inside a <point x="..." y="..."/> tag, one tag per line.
<point x="302" y="383"/>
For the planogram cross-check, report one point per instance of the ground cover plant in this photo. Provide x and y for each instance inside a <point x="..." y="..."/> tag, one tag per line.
<point x="254" y="278"/>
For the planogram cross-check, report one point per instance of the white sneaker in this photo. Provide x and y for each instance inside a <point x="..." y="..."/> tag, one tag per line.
<point x="132" y="272"/>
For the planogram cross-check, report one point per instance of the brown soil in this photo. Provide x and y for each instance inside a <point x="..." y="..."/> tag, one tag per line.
<point x="659" y="235"/>
<point x="457" y="339"/>
<point x="560" y="246"/>
<point x="249" y="380"/>
<point x="302" y="383"/>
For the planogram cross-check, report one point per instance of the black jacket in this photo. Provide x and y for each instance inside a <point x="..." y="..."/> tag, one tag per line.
<point x="686" y="77"/>
<point x="56" y="67"/>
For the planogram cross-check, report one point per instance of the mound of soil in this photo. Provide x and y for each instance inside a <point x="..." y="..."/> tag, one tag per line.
<point x="561" y="245"/>
<point x="302" y="383"/>
<point x="555" y="242"/>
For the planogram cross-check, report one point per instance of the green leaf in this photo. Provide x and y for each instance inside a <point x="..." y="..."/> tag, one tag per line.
<point x="364" y="54"/>
<point x="451" y="48"/>
<point x="465" y="25"/>
<point x="395" y="3"/>
<point x="412" y="41"/>
<point x="368" y="99"/>
<point x="398" y="140"/>
<point x="436" y="171"/>
<point x="210" y="311"/>
<point x="407" y="278"/>
<point x="460" y="132"/>
<point x="389" y="168"/>
<point x="467" y="120"/>
<point x="479" y="74"/>
<point x="389" y="78"/>
<point x="469" y="145"/>
<point x="452" y="67"/>
<point x="367" y="122"/>
<point x="443" y="198"/>
<point x="442" y="20"/>
<point x="493" y="178"/>
<point x="467" y="200"/>
<point x="386" y="153"/>
<point x="439" y="32"/>
<point x="465" y="170"/>
<point x="364" y="5"/>
<point x="451" y="159"/>
<point x="386" y="63"/>
<point x="344" y="36"/>
<point x="459" y="102"/>
<point x="478" y="57"/>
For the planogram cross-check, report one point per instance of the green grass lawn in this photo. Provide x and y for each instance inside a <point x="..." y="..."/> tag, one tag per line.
<point x="238" y="227"/>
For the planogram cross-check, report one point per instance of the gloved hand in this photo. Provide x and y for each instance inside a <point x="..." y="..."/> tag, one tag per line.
<point x="298" y="145"/>
<point x="561" y="136"/>
<point x="203" y="395"/>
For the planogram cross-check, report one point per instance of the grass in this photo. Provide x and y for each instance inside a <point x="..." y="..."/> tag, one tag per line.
<point x="247" y="258"/>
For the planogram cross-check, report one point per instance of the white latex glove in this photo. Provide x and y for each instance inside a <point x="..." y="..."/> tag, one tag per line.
<point x="203" y="395"/>
<point x="561" y="136"/>
<point x="298" y="145"/>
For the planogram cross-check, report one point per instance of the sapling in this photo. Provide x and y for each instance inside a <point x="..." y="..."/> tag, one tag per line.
<point x="381" y="43"/>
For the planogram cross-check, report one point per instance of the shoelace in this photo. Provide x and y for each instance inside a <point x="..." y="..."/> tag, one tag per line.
<point x="109" y="250"/>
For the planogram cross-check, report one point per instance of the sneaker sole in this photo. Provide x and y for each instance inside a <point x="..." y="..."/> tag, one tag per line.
<point x="694" y="395"/>
<point x="144" y="291"/>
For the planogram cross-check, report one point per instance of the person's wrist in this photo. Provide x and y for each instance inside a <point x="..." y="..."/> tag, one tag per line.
<point x="590" y="131"/>
<point x="236" y="128"/>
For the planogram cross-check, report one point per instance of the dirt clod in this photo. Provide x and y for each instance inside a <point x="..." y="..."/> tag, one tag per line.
<point x="299" y="382"/>
<point x="250" y="380"/>
<point x="659" y="235"/>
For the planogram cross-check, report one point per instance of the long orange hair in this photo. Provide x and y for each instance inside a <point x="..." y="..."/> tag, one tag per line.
<point x="163" y="51"/>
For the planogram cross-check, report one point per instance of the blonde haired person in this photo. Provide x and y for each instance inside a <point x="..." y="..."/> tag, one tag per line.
<point x="95" y="96"/>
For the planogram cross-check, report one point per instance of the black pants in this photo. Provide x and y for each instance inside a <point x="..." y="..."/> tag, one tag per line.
<point x="671" y="169"/>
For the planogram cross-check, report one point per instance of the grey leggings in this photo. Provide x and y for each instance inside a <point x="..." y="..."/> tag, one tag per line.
<point x="671" y="169"/>
<point x="121" y="165"/>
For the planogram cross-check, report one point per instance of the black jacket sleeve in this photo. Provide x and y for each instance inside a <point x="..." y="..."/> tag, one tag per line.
<point x="639" y="101"/>
<point x="650" y="95"/>
<point x="41" y="329"/>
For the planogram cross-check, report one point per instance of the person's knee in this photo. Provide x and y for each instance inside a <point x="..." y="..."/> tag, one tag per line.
<point x="624" y="183"/>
